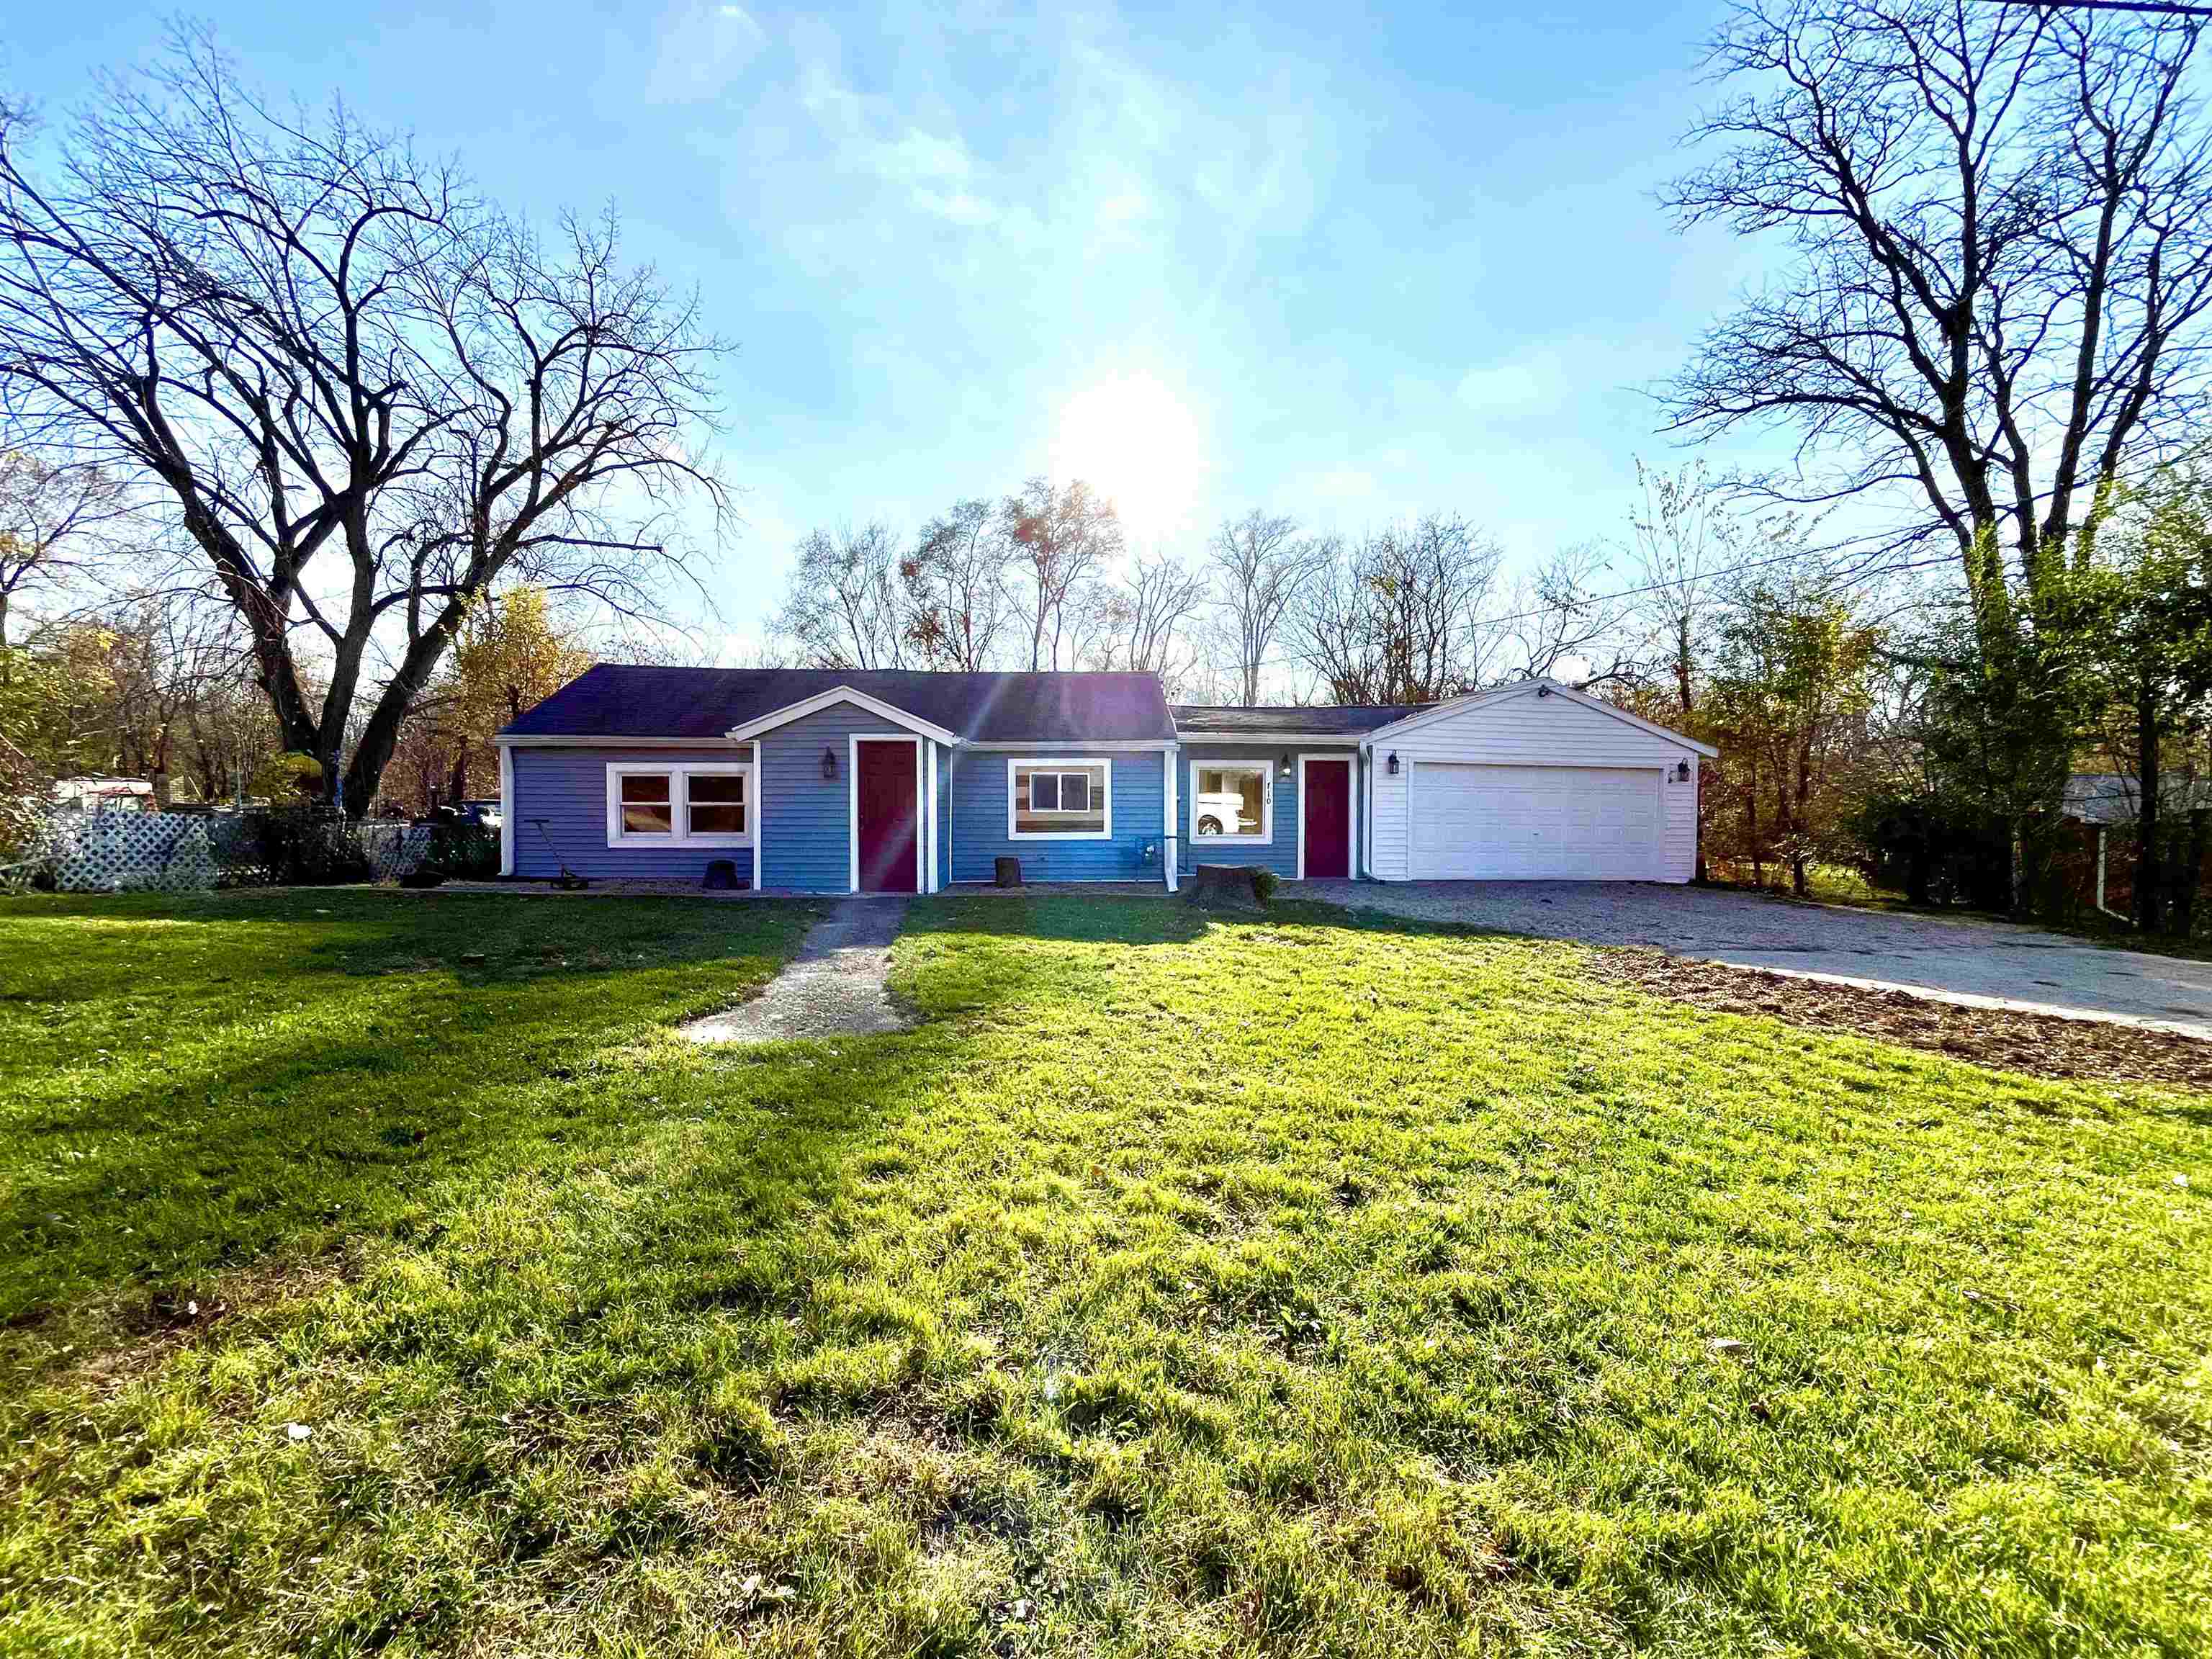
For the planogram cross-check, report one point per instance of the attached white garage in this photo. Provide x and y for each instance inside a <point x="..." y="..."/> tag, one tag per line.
<point x="1530" y="782"/>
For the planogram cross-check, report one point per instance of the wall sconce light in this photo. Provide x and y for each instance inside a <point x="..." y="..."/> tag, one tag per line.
<point x="1393" y="763"/>
<point x="1286" y="766"/>
<point x="829" y="762"/>
<point x="1681" y="771"/>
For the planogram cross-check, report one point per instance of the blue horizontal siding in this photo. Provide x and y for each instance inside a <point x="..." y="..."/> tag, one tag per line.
<point x="802" y="816"/>
<point x="567" y="789"/>
<point x="807" y="816"/>
<point x="978" y="820"/>
<point x="1279" y="852"/>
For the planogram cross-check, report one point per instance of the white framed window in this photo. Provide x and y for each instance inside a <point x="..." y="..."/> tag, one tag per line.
<point x="640" y="803"/>
<point x="718" y="803"/>
<point x="1059" y="800"/>
<point x="694" y="804"/>
<point x="1231" y="800"/>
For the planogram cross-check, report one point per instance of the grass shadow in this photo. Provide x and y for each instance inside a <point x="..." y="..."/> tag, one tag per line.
<point x="188" y="1084"/>
<point x="1298" y="1289"/>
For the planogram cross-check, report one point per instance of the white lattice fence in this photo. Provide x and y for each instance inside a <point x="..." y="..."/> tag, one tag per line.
<point x="118" y="852"/>
<point x="124" y="851"/>
<point x="393" y="849"/>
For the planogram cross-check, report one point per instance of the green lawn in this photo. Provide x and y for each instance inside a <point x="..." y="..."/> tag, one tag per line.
<point x="1305" y="1286"/>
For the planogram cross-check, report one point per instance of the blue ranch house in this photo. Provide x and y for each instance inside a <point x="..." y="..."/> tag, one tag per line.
<point x="834" y="780"/>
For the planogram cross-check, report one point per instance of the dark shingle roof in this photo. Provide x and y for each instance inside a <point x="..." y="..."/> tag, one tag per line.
<point x="1199" y="719"/>
<point x="618" y="700"/>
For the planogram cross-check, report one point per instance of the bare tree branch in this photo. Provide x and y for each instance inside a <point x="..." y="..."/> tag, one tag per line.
<point x="366" y="394"/>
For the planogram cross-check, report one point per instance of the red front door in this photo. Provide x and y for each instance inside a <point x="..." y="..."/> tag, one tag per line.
<point x="885" y="781"/>
<point x="1327" y="811"/>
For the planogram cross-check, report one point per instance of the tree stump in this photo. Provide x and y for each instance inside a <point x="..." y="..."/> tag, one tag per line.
<point x="1224" y="887"/>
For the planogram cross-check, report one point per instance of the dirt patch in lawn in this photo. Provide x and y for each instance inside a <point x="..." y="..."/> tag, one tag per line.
<point x="2039" y="1045"/>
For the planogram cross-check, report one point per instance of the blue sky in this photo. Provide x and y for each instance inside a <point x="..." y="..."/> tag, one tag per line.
<point x="1349" y="267"/>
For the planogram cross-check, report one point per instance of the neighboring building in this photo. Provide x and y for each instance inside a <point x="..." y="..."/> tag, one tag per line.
<point x="103" y="795"/>
<point x="2107" y="807"/>
<point x="889" y="781"/>
<point x="2116" y="798"/>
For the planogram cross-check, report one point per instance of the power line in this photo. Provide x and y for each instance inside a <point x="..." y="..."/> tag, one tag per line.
<point x="1871" y="569"/>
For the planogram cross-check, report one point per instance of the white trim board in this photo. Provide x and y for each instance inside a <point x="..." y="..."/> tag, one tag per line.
<point x="1101" y="746"/>
<point x="760" y="815"/>
<point x="926" y="808"/>
<point x="723" y="740"/>
<point x="1207" y="739"/>
<point x="1171" y="843"/>
<point x="506" y="812"/>
<point x="913" y="724"/>
<point x="715" y="743"/>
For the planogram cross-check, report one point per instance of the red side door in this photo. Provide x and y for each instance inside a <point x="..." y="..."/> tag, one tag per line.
<point x="889" y="830"/>
<point x="1327" y="811"/>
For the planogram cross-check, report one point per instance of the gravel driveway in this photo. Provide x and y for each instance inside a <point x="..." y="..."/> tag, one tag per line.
<point x="1980" y="963"/>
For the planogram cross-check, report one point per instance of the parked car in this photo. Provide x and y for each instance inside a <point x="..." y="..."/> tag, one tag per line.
<point x="485" y="813"/>
<point x="1219" y="814"/>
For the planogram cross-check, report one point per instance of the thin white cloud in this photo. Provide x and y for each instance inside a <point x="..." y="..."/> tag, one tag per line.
<point x="1344" y="486"/>
<point x="957" y="206"/>
<point x="702" y="48"/>
<point x="1515" y="385"/>
<point x="934" y="171"/>
<point x="916" y="155"/>
<point x="1124" y="208"/>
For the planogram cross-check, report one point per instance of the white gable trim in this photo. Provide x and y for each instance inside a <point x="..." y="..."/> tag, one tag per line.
<point x="1475" y="701"/>
<point x="1287" y="735"/>
<point x="815" y="704"/>
<point x="1118" y="746"/>
<point x="504" y="741"/>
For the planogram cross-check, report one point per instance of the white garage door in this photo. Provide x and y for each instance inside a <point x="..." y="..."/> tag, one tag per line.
<point x="1534" y="822"/>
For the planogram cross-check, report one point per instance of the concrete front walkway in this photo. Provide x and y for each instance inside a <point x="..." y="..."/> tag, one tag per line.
<point x="836" y="984"/>
<point x="1975" y="963"/>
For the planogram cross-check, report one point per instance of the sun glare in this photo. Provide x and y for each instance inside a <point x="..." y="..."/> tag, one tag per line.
<point x="1131" y="438"/>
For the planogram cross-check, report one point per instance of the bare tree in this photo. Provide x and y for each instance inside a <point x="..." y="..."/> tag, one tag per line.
<point x="845" y="609"/>
<point x="229" y="728"/>
<point x="155" y="680"/>
<point x="366" y="393"/>
<point x="1682" y="535"/>
<point x="1559" y="623"/>
<point x="1394" y="620"/>
<point x="956" y="586"/>
<point x="1262" y="566"/>
<point x="2003" y="241"/>
<point x="2001" y="219"/>
<point x="51" y="521"/>
<point x="1145" y="618"/>
<point x="1063" y="537"/>
<point x="1333" y="633"/>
